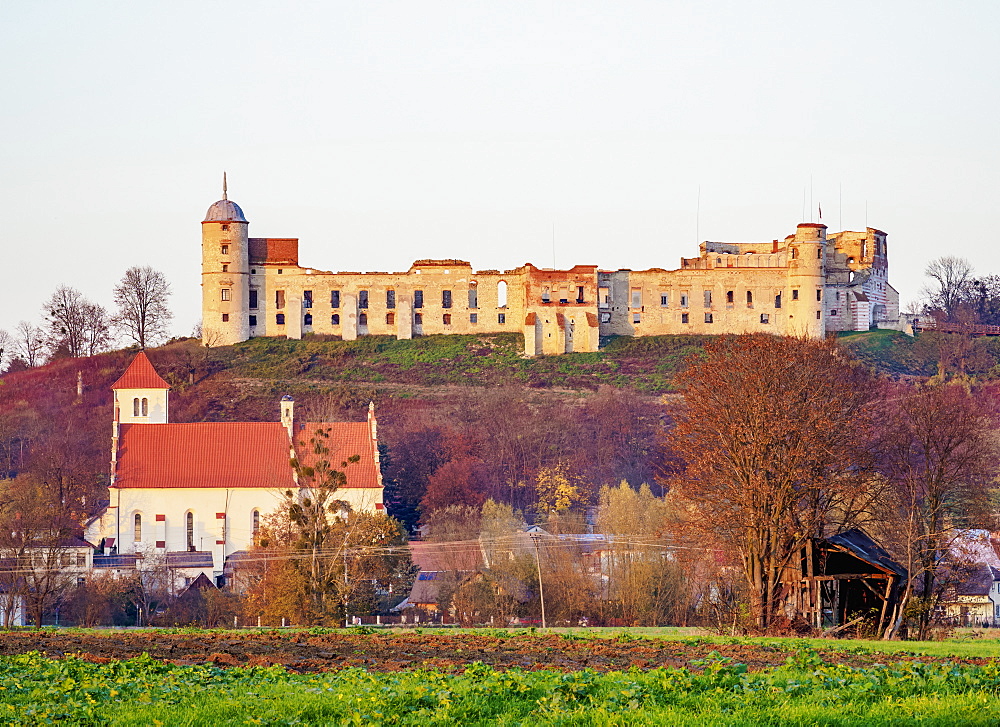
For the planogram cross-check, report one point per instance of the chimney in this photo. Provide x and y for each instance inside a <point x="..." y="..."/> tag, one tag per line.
<point x="288" y="415"/>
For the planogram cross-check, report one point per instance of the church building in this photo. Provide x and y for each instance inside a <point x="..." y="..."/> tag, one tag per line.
<point x="193" y="494"/>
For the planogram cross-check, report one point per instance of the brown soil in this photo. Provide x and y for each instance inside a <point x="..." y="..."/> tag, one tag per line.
<point x="303" y="652"/>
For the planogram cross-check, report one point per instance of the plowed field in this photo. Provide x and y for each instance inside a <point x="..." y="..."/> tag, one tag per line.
<point x="302" y="651"/>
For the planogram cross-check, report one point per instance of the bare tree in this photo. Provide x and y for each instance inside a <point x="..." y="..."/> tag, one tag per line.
<point x="141" y="297"/>
<point x="772" y="433"/>
<point x="29" y="343"/>
<point x="939" y="459"/>
<point x="951" y="284"/>
<point x="66" y="311"/>
<point x="97" y="328"/>
<point x="6" y="349"/>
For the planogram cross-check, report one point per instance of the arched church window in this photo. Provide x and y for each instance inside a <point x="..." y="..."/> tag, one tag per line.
<point x="135" y="407"/>
<point x="137" y="528"/>
<point x="145" y="407"/>
<point x="189" y="524"/>
<point x="255" y="527"/>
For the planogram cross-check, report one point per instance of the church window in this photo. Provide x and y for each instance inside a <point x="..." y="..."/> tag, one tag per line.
<point x="225" y="249"/>
<point x="253" y="299"/>
<point x="225" y="268"/>
<point x="418" y="319"/>
<point x="145" y="407"/>
<point x="307" y="320"/>
<point x="255" y="523"/>
<point x="446" y="319"/>
<point x="708" y="318"/>
<point x="279" y="319"/>
<point x="502" y="318"/>
<point x="335" y="319"/>
<point x="418" y="299"/>
<point x="390" y="319"/>
<point x="749" y="299"/>
<point x="307" y="299"/>
<point x="795" y="294"/>
<point x="390" y="298"/>
<point x="708" y="298"/>
<point x="135" y="407"/>
<point x="334" y="298"/>
<point x="225" y="318"/>
<point x="362" y="299"/>
<point x="473" y="298"/>
<point x="502" y="294"/>
<point x="253" y="320"/>
<point x="362" y="319"/>
<point x="765" y="318"/>
<point x="446" y="299"/>
<point x="137" y="528"/>
<point x="226" y="293"/>
<point x="189" y="530"/>
<point x="636" y="298"/>
<point x="279" y="299"/>
<point x="473" y="318"/>
<point x="684" y="318"/>
<point x="777" y="300"/>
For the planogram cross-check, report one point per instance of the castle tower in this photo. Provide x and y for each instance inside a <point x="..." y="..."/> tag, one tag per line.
<point x="225" y="274"/>
<point x="807" y="280"/>
<point x="141" y="394"/>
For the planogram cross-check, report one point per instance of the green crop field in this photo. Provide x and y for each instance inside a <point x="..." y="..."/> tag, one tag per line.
<point x="804" y="690"/>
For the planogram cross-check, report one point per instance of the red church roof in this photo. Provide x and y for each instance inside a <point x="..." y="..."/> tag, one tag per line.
<point x="140" y="374"/>
<point x="346" y="440"/>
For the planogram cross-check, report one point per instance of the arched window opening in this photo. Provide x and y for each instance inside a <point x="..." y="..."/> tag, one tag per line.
<point x="145" y="407"/>
<point x="502" y="294"/>
<point x="255" y="527"/>
<point x="135" y="407"/>
<point x="137" y="528"/>
<point x="189" y="522"/>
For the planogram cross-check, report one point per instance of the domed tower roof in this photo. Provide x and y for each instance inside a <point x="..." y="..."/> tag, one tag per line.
<point x="224" y="210"/>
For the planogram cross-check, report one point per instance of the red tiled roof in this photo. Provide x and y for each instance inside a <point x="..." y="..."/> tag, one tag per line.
<point x="346" y="440"/>
<point x="206" y="454"/>
<point x="140" y="374"/>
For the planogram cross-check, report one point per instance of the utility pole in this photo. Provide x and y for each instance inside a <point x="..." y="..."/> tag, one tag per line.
<point x="538" y="565"/>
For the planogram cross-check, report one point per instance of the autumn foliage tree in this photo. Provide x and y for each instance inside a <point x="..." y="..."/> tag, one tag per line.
<point x="773" y="435"/>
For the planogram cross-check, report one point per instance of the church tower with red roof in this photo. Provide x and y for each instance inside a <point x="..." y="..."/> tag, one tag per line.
<point x="141" y="395"/>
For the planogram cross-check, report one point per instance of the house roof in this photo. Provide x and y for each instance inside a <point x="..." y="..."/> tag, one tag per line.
<point x="204" y="454"/>
<point x="189" y="559"/>
<point x="345" y="440"/>
<point x="140" y="374"/>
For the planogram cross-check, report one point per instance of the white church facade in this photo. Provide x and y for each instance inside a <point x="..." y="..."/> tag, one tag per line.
<point x="190" y="495"/>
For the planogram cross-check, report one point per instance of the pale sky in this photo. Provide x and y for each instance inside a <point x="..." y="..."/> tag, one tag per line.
<point x="382" y="132"/>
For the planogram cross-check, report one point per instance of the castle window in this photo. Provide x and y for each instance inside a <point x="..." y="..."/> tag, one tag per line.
<point x="502" y="294"/>
<point x="473" y="298"/>
<point x="362" y="319"/>
<point x="390" y="319"/>
<point x="579" y="294"/>
<point x="795" y="294"/>
<point x="335" y="319"/>
<point x="135" y="407"/>
<point x="819" y="254"/>
<point x="390" y="298"/>
<point x="446" y="299"/>
<point x="777" y="300"/>
<point x="418" y="299"/>
<point x="446" y="319"/>
<point x="819" y="295"/>
<point x="189" y="528"/>
<point x="636" y="317"/>
<point x="765" y="318"/>
<point x="795" y="255"/>
<point x="253" y="299"/>
<point x="684" y="318"/>
<point x="708" y="298"/>
<point x="684" y="301"/>
<point x="225" y="268"/>
<point x="603" y="297"/>
<point x="545" y="294"/>
<point x="253" y="321"/>
<point x="836" y="296"/>
<point x="334" y="298"/>
<point x="502" y="318"/>
<point x="708" y="318"/>
<point x="225" y="318"/>
<point x="729" y="297"/>
<point x="749" y="299"/>
<point x="473" y="318"/>
<point x="605" y="317"/>
<point x="664" y="300"/>
<point x="307" y="320"/>
<point x="833" y="312"/>
<point x="418" y="319"/>
<point x="225" y="227"/>
<point x="362" y="299"/>
<point x="226" y="293"/>
<point x="253" y="271"/>
<point x="280" y="319"/>
<point x="563" y="296"/>
<point x="280" y="271"/>
<point x="145" y="407"/>
<point x="819" y="315"/>
<point x="636" y="298"/>
<point x="279" y="299"/>
<point x="137" y="528"/>
<point x="307" y="299"/>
